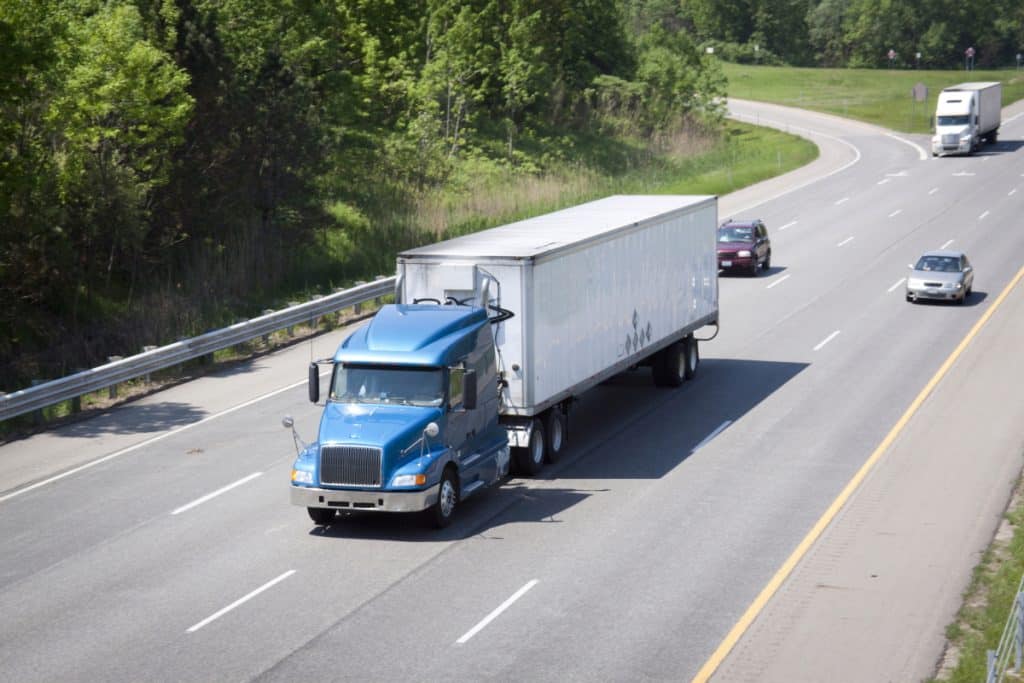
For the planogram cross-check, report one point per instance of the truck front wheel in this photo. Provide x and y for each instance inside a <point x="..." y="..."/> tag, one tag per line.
<point x="531" y="458"/>
<point x="321" y="516"/>
<point x="443" y="510"/>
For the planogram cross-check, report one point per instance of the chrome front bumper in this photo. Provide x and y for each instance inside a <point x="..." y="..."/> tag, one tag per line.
<point x="378" y="501"/>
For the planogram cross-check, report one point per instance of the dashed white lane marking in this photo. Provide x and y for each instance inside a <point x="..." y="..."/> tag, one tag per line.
<point x="147" y="442"/>
<point x="883" y="181"/>
<point x="494" y="615"/>
<point x="781" y="279"/>
<point x="933" y="190"/>
<point x="982" y="216"/>
<point x="788" y="225"/>
<point x="842" y="201"/>
<point x="707" y="439"/>
<point x="962" y="174"/>
<point x="949" y="242"/>
<point x="240" y="601"/>
<point x="827" y="340"/>
<point x="898" y="283"/>
<point x="847" y="240"/>
<point x="895" y="213"/>
<point x="1012" y="192"/>
<point x="200" y="501"/>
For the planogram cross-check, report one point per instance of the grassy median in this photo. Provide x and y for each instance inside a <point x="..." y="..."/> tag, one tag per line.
<point x="882" y="97"/>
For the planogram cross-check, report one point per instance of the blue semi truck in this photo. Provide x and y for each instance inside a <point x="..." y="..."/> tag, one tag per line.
<point x="473" y="371"/>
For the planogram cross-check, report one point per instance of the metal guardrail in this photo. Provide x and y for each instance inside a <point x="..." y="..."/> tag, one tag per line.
<point x="78" y="384"/>
<point x="1011" y="642"/>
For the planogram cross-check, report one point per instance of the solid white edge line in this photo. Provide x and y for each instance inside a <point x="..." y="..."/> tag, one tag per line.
<point x="200" y="501"/>
<point x="494" y="615"/>
<point x="948" y="242"/>
<point x="827" y="340"/>
<point x="756" y="120"/>
<point x="920" y="150"/>
<point x="781" y="279"/>
<point x="712" y="435"/>
<point x="842" y="201"/>
<point x="848" y="239"/>
<point x="788" y="225"/>
<point x="898" y="283"/>
<point x="244" y="599"/>
<point x="982" y="216"/>
<point x="895" y="213"/>
<point x="147" y="442"/>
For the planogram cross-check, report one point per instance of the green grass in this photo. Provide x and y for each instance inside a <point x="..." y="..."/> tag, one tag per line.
<point x="882" y="97"/>
<point x="987" y="603"/>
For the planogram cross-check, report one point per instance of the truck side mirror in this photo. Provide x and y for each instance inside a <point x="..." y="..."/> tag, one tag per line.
<point x="314" y="383"/>
<point x="469" y="390"/>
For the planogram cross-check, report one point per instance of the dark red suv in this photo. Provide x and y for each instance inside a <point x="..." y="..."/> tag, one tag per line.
<point x="744" y="246"/>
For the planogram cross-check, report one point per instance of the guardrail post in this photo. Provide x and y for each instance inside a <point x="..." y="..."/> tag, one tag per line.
<point x="1019" y="640"/>
<point x="291" y="328"/>
<point x="991" y="667"/>
<point x="357" y="308"/>
<point x="112" y="389"/>
<point x="266" y="337"/>
<point x="377" y="300"/>
<point x="147" y="349"/>
<point x="76" y="401"/>
<point x="37" y="415"/>
<point x="315" y="322"/>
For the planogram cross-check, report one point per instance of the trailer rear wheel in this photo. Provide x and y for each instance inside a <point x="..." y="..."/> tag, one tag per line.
<point x="321" y="516"/>
<point x="692" y="357"/>
<point x="557" y="433"/>
<point x="673" y="365"/>
<point x="531" y="458"/>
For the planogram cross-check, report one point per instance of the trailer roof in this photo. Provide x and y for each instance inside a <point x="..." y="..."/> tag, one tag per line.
<point x="551" y="232"/>
<point x="973" y="85"/>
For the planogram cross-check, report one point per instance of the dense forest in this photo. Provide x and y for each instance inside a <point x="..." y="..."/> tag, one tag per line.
<point x="166" y="164"/>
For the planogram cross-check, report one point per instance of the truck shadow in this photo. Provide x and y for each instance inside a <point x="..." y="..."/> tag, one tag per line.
<point x="623" y="429"/>
<point x="1001" y="147"/>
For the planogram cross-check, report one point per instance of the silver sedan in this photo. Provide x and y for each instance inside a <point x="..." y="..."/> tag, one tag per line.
<point x="941" y="275"/>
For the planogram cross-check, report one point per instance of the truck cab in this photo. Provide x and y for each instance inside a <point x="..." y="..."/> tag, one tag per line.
<point x="956" y="122"/>
<point x="410" y="419"/>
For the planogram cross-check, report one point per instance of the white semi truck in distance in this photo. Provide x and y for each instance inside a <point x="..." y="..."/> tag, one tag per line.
<point x="965" y="116"/>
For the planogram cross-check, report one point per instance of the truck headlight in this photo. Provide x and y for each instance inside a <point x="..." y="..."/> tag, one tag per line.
<point x="959" y="285"/>
<point x="302" y="477"/>
<point x="745" y="253"/>
<point x="409" y="480"/>
<point x="965" y="138"/>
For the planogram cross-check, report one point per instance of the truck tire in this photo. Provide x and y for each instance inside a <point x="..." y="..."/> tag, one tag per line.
<point x="531" y="458"/>
<point x="321" y="516"/>
<point x="692" y="357"/>
<point x="557" y="433"/>
<point x="673" y="365"/>
<point x="443" y="511"/>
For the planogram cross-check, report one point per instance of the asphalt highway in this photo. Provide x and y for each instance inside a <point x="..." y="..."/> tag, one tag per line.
<point x="156" y="542"/>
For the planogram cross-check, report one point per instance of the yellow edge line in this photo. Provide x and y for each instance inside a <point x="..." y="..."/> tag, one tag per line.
<point x="787" y="567"/>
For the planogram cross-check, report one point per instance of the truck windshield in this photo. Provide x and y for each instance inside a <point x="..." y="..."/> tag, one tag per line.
<point x="387" y="384"/>
<point x="953" y="120"/>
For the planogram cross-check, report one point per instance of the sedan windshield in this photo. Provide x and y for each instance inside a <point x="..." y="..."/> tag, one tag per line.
<point x="941" y="264"/>
<point x="387" y="384"/>
<point x="735" y="234"/>
<point x="953" y="120"/>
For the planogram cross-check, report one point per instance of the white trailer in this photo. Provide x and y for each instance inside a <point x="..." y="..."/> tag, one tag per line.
<point x="593" y="290"/>
<point x="967" y="115"/>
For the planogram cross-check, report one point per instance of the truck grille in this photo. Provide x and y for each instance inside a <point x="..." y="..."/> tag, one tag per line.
<point x="350" y="466"/>
<point x="950" y="140"/>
